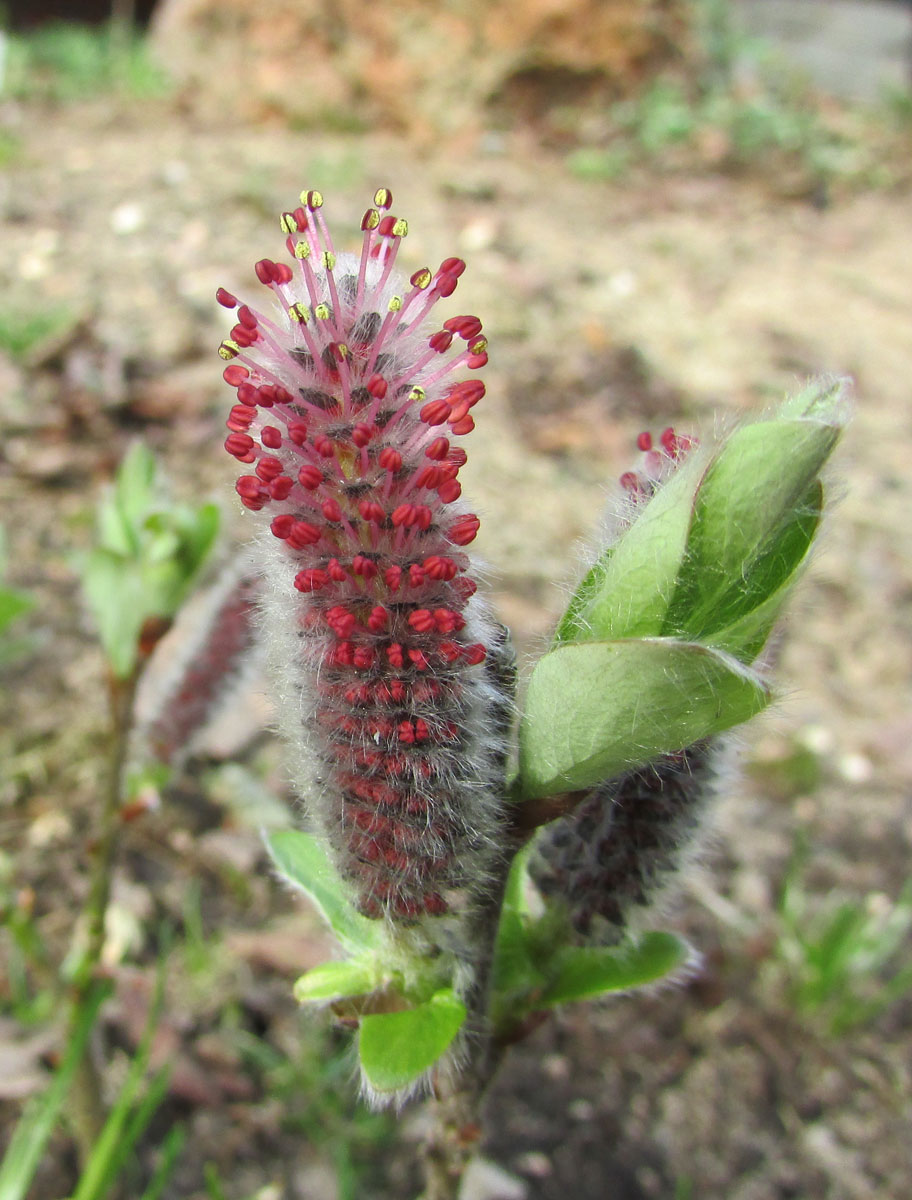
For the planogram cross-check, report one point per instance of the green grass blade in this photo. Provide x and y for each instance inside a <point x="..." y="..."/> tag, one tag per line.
<point x="174" y="1143"/>
<point x="37" y="1123"/>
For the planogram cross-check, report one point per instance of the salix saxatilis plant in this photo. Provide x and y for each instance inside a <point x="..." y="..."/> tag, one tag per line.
<point x="395" y="686"/>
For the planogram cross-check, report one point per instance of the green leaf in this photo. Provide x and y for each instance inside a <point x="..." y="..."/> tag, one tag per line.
<point x="755" y="514"/>
<point x="300" y="858"/>
<point x="117" y="599"/>
<point x="583" y="972"/>
<point x="515" y="972"/>
<point x="630" y="594"/>
<point x="397" y="1048"/>
<point x="595" y="709"/>
<point x="571" y="627"/>
<point x="13" y="605"/>
<point x="334" y="981"/>
<point x="705" y="603"/>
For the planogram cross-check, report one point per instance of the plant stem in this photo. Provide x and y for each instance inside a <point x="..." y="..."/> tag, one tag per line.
<point x="88" y="1115"/>
<point x="456" y="1106"/>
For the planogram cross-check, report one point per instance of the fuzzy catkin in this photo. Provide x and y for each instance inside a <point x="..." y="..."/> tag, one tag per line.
<point x="622" y="844"/>
<point x="206" y="661"/>
<point x="345" y="418"/>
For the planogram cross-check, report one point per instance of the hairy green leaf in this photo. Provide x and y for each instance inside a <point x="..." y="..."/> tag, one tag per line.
<point x="579" y="973"/>
<point x="397" y="1048"/>
<point x="301" y="860"/>
<point x="594" y="709"/>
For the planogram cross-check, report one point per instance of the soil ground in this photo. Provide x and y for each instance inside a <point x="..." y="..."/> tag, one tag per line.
<point x="610" y="307"/>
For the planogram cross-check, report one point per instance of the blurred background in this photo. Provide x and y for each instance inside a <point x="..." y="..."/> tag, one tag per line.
<point x="673" y="211"/>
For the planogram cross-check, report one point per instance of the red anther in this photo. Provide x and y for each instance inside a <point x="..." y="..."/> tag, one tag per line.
<point x="468" y="391"/>
<point x="239" y="418"/>
<point x="266" y="395"/>
<point x="465" y="588"/>
<point x="324" y="445"/>
<point x="378" y="619"/>
<point x="250" y="488"/>
<point x="282" y="395"/>
<point x="464" y="327"/>
<point x="476" y="361"/>
<point x="644" y="441"/>
<point x="281" y="526"/>
<point x="449" y="491"/>
<point x="269" y="468"/>
<point x="448" y="470"/>
<point x="377" y="386"/>
<point x="340" y="620"/>
<point x="362" y="433"/>
<point x="303" y="534"/>
<point x="405" y="514"/>
<point x="630" y="482"/>
<point x="465" y="425"/>
<point x="448" y="621"/>
<point x="446" y="285"/>
<point x="248" y="395"/>
<point x="311" y="580"/>
<point x="451" y="266"/>
<point x="449" y="651"/>
<point x="464" y="530"/>
<point x="392" y="576"/>
<point x="336" y="571"/>
<point x="438" y="449"/>
<point x="427" y="477"/>
<point x="240" y="445"/>
<point x="440" y="567"/>
<point x="390" y="459"/>
<point x="310" y="477"/>
<point x="370" y="220"/>
<point x="280" y="489"/>
<point x="281" y="273"/>
<point x="297" y="433"/>
<point x="246" y="317"/>
<point x="425" y="516"/>
<point x="271" y="437"/>
<point x="394" y="655"/>
<point x="343" y="654"/>
<point x="441" y="340"/>
<point x="421" y="278"/>
<point x="332" y="510"/>
<point x="235" y="374"/>
<point x="364" y="658"/>
<point x="405" y="732"/>
<point x="357" y="693"/>
<point x="418" y="659"/>
<point x="474" y="654"/>
<point x="264" y="270"/>
<point x="435" y="412"/>
<point x="416" y="575"/>
<point x="226" y="299"/>
<point x="458" y="456"/>
<point x="371" y="511"/>
<point x="397" y="691"/>
<point x="300" y="217"/>
<point x="387" y="225"/>
<point x="244" y="337"/>
<point x="363" y="566"/>
<point x="459" y="413"/>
